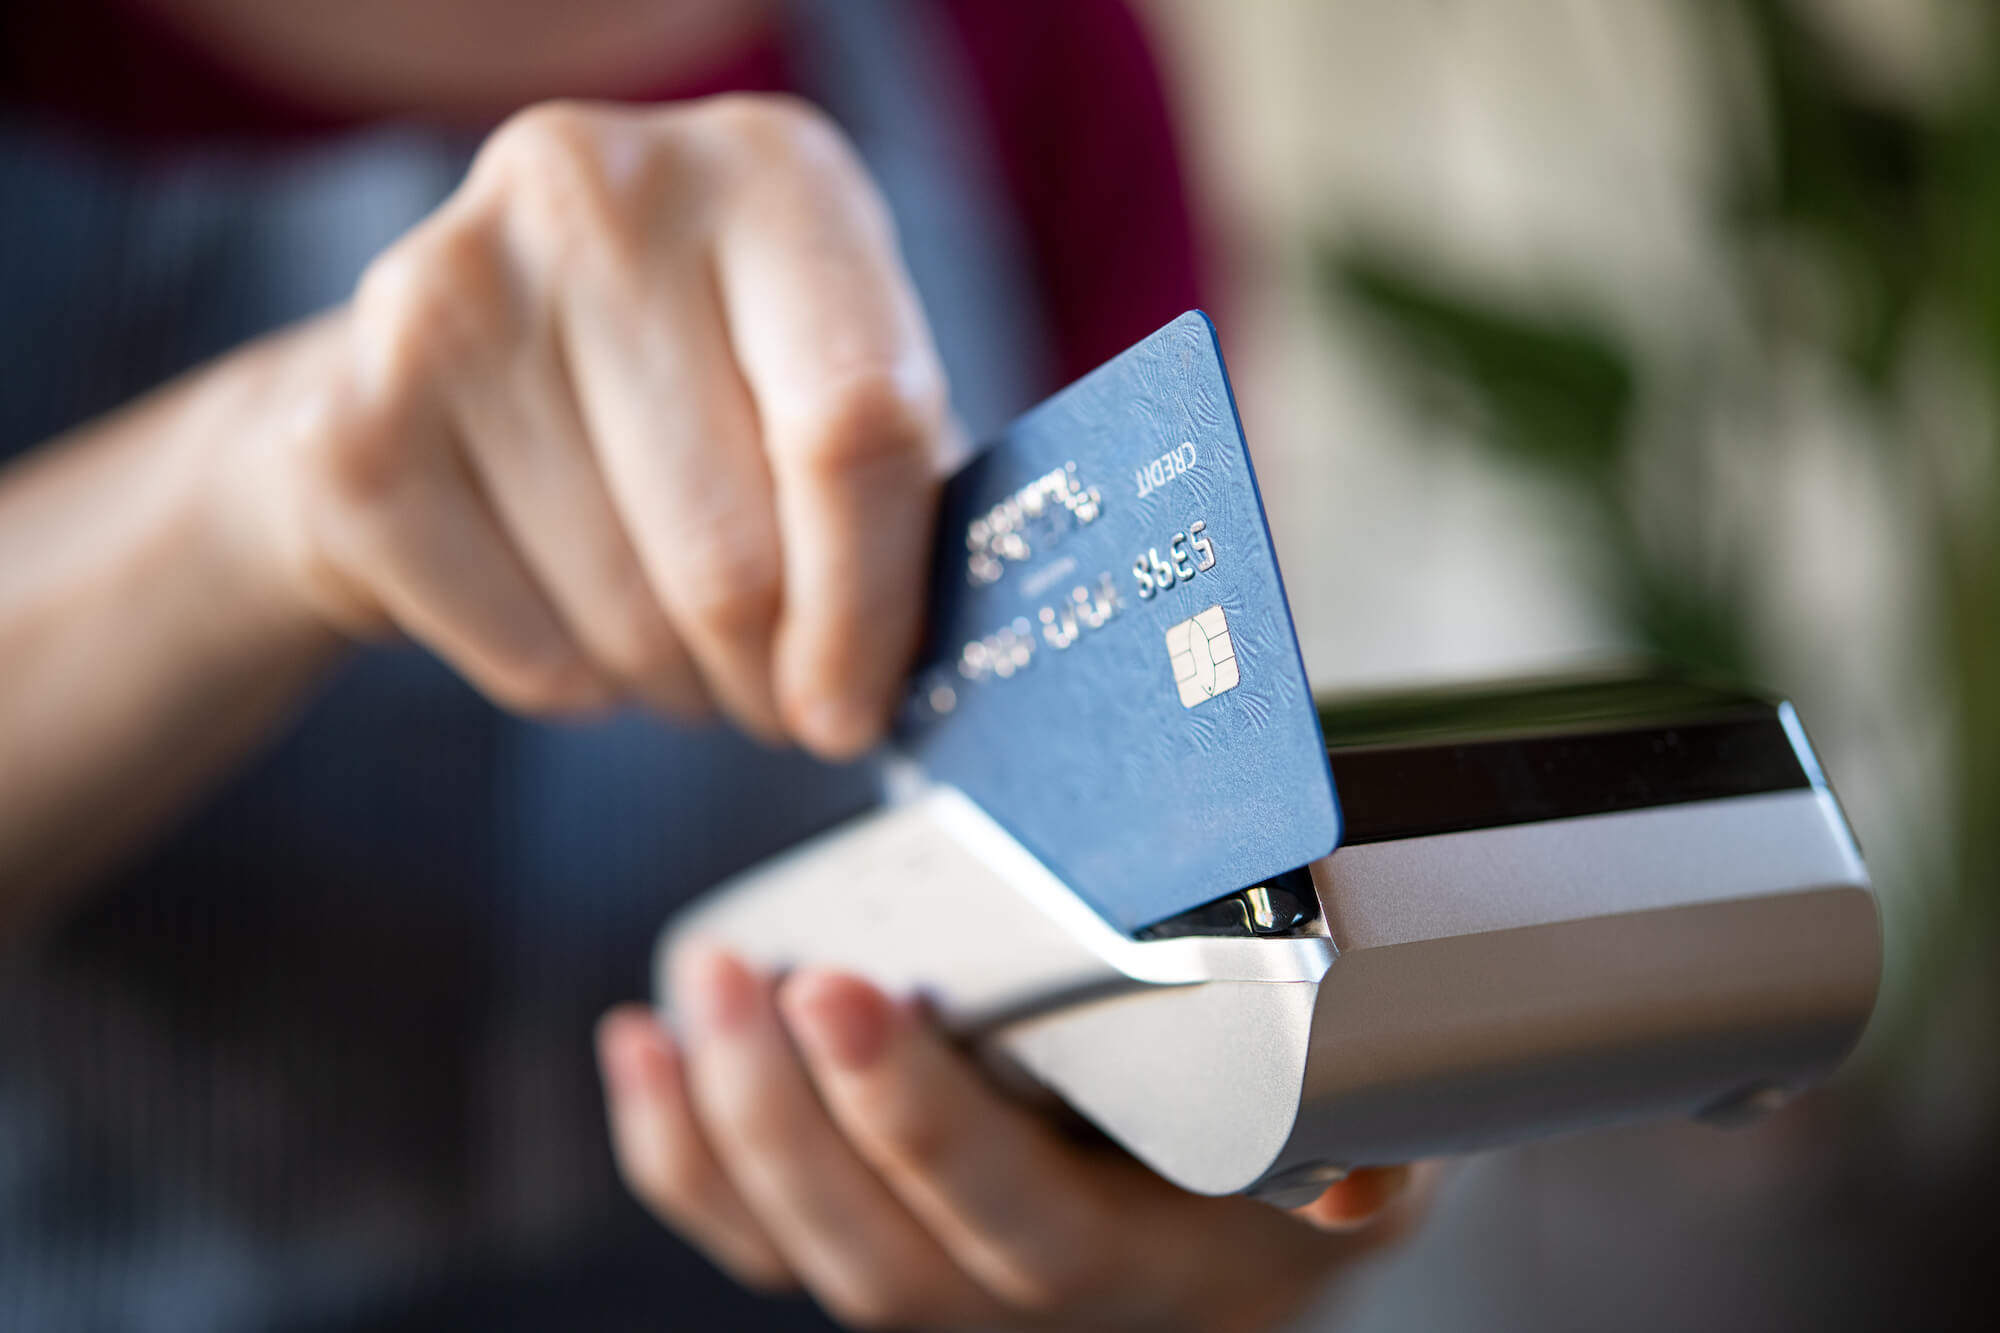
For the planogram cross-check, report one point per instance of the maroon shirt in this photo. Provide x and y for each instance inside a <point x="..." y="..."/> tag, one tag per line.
<point x="1073" y="99"/>
<point x="459" y="893"/>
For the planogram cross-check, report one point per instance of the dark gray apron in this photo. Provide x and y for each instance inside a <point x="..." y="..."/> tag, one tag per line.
<point x="321" y="1058"/>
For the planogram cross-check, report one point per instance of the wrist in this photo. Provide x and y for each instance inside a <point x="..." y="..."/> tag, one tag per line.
<point x="244" y="422"/>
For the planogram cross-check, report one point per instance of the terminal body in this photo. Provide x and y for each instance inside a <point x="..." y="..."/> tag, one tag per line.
<point x="1555" y="905"/>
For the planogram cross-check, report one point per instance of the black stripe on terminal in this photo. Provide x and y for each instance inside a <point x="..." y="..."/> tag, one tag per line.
<point x="1411" y="790"/>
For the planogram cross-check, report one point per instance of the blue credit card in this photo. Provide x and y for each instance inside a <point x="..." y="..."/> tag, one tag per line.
<point x="1110" y="667"/>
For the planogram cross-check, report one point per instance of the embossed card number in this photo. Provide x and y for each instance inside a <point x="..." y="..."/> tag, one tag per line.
<point x="1189" y="553"/>
<point x="1010" y="649"/>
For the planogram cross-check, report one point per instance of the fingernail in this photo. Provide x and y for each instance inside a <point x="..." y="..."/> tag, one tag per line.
<point x="843" y="1018"/>
<point x="713" y="991"/>
<point x="628" y="1062"/>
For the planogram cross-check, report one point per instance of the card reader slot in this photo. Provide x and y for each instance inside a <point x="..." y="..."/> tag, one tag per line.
<point x="1406" y="791"/>
<point x="1282" y="905"/>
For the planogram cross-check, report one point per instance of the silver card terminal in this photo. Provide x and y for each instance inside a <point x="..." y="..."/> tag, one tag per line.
<point x="1555" y="905"/>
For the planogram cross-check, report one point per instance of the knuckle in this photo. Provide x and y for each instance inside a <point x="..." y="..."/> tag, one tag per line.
<point x="579" y="178"/>
<point x="914" y="1293"/>
<point x="765" y="1275"/>
<point x="780" y="150"/>
<point x="772" y="124"/>
<point x="864" y="1305"/>
<point x="759" y="1124"/>
<point x="427" y="311"/>
<point x="535" y="684"/>
<point x="430" y="307"/>
<point x="1049" y="1292"/>
<point x="537" y="137"/>
<point x="685" y="1186"/>
<point x="1060" y="1279"/>
<point x="356" y="470"/>
<point x="636" y="640"/>
<point x="652" y="1182"/>
<point x="918" y="1143"/>
<point x="730" y="581"/>
<point x="871" y="422"/>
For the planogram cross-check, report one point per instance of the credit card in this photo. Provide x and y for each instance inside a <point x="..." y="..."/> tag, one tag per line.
<point x="1110" y="667"/>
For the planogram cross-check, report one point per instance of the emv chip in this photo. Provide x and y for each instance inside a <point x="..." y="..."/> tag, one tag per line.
<point x="1204" y="662"/>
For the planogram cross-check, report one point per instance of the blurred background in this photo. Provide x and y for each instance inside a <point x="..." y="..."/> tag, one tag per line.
<point x="1572" y="330"/>
<point x="1562" y="330"/>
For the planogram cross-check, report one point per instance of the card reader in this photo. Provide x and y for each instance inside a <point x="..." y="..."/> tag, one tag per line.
<point x="1554" y="905"/>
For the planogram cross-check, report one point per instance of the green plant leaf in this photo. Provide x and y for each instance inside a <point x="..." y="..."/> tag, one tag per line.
<point x="1546" y="391"/>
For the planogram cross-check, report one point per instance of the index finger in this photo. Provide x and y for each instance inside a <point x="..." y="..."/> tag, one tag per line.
<point x="1011" y="1202"/>
<point x="833" y="345"/>
<point x="1045" y="1225"/>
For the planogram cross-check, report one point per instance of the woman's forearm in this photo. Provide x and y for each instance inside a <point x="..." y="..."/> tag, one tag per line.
<point x="142" y="651"/>
<point x="647" y="410"/>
